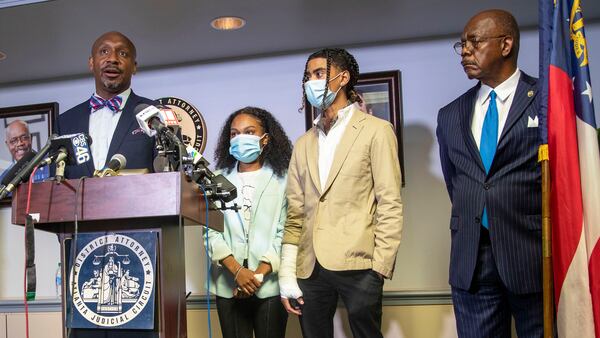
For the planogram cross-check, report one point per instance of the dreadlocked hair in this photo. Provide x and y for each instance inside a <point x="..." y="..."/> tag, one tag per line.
<point x="276" y="153"/>
<point x="345" y="62"/>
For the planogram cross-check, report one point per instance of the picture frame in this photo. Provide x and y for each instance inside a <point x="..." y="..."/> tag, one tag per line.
<point x="39" y="118"/>
<point x="381" y="94"/>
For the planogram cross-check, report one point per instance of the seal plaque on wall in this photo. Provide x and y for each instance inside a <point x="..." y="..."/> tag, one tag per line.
<point x="192" y="124"/>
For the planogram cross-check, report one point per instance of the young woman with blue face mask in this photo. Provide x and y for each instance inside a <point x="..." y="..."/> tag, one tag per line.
<point x="253" y="153"/>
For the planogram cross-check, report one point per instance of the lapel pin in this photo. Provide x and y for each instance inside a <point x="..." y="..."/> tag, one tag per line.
<point x="530" y="93"/>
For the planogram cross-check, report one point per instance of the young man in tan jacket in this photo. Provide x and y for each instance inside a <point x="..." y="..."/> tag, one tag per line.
<point x="344" y="218"/>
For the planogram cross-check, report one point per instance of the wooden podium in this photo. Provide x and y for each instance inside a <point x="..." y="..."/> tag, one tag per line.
<point x="126" y="203"/>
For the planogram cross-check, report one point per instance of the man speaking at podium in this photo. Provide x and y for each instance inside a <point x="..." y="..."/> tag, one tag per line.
<point x="108" y="116"/>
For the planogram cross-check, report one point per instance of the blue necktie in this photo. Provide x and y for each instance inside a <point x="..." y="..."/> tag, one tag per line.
<point x="489" y="141"/>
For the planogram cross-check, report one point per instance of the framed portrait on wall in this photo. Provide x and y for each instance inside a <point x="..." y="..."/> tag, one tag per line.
<point x="23" y="129"/>
<point x="380" y="92"/>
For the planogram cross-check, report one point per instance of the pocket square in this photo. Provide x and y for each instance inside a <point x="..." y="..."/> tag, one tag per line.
<point x="137" y="131"/>
<point x="532" y="122"/>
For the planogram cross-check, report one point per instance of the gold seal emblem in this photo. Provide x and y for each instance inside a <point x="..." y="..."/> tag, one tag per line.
<point x="192" y="124"/>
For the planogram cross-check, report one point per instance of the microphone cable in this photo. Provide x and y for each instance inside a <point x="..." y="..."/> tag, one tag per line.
<point x="25" y="303"/>
<point x="181" y="246"/>
<point x="207" y="263"/>
<point x="71" y="288"/>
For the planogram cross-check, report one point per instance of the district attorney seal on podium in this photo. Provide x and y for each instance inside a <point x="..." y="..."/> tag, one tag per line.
<point x="114" y="281"/>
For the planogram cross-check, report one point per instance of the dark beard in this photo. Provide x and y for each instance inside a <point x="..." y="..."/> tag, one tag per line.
<point x="110" y="85"/>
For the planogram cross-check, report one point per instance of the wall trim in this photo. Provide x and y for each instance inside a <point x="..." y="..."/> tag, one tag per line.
<point x="199" y="302"/>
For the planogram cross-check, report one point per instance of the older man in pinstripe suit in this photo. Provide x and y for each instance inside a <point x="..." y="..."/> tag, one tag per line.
<point x="488" y="141"/>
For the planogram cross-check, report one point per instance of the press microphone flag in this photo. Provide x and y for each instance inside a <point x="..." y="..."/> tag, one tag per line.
<point x="146" y="115"/>
<point x="72" y="148"/>
<point x="152" y="121"/>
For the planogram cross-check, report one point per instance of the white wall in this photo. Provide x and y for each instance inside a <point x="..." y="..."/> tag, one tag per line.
<point x="431" y="77"/>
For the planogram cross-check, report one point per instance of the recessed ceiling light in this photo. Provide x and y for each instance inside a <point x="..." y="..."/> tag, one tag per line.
<point x="228" y="23"/>
<point x="2" y="56"/>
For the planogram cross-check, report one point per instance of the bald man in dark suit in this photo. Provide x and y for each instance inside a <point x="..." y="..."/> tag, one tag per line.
<point x="488" y="140"/>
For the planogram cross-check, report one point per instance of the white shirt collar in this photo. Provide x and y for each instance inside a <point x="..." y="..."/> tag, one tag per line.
<point x="341" y="116"/>
<point x="503" y="90"/>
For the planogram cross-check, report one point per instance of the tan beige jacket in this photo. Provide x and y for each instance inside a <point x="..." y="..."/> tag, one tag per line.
<point x="355" y="221"/>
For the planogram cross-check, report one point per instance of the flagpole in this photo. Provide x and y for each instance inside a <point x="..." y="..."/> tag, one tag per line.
<point x="548" y="289"/>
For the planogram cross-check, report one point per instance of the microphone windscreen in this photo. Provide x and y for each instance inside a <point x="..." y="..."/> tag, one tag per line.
<point x="12" y="172"/>
<point x="139" y="108"/>
<point x="88" y="138"/>
<point x="117" y="162"/>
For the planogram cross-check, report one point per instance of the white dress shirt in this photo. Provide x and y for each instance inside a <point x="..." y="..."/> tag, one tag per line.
<point x="329" y="142"/>
<point x="103" y="123"/>
<point x="505" y="92"/>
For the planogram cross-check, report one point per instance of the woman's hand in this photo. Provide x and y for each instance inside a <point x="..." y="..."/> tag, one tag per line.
<point x="239" y="294"/>
<point x="246" y="281"/>
<point x="263" y="268"/>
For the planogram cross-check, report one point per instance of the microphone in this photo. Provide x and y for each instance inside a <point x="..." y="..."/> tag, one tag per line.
<point x="116" y="163"/>
<point x="216" y="186"/>
<point x="73" y="149"/>
<point x="153" y="121"/>
<point x="225" y="191"/>
<point x="144" y="113"/>
<point x="24" y="172"/>
<point x="170" y="117"/>
<point x="195" y="156"/>
<point x="12" y="171"/>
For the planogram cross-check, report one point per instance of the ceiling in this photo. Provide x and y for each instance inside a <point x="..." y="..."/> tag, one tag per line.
<point x="52" y="40"/>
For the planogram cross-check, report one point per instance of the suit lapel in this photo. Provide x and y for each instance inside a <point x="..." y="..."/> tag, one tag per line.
<point x="312" y="156"/>
<point x="517" y="108"/>
<point x="467" y="106"/>
<point x="123" y="126"/>
<point x="262" y="180"/>
<point x="83" y="124"/>
<point x="341" y="152"/>
<point x="234" y="178"/>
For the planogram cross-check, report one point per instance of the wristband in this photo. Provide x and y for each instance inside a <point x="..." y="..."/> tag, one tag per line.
<point x="237" y="272"/>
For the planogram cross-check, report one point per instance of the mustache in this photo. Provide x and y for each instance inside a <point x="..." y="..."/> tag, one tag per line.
<point x="111" y="68"/>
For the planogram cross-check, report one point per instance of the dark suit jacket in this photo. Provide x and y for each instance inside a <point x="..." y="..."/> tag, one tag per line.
<point x="128" y="139"/>
<point x="511" y="191"/>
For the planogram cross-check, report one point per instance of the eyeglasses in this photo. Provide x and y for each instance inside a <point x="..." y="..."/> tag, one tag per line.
<point x="473" y="43"/>
<point x="23" y="138"/>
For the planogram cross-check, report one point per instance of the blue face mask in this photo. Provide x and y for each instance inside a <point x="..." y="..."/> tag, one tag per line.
<point x="315" y="90"/>
<point x="245" y="148"/>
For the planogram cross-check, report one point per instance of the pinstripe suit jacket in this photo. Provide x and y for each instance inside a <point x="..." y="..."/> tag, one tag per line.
<point x="511" y="191"/>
